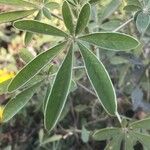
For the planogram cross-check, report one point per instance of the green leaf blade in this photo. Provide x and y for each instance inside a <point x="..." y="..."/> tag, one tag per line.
<point x="15" y="15"/>
<point x="111" y="41"/>
<point x="129" y="141"/>
<point x="38" y="27"/>
<point x="3" y="86"/>
<point x="83" y="18"/>
<point x="134" y="2"/>
<point x="17" y="3"/>
<point x="142" y="124"/>
<point x="25" y="55"/>
<point x="29" y="35"/>
<point x="100" y="80"/>
<point x="34" y="67"/>
<point x="109" y="9"/>
<point x="17" y="103"/>
<point x="59" y="92"/>
<point x="93" y="1"/>
<point x="47" y="13"/>
<point x="67" y="17"/>
<point x="106" y="133"/>
<point x="142" y="22"/>
<point x="115" y="143"/>
<point x="144" y="139"/>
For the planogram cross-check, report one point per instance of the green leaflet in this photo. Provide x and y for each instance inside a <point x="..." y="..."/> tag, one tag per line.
<point x="3" y="86"/>
<point x="83" y="18"/>
<point x="58" y="94"/>
<point x="34" y="67"/>
<point x="110" y="25"/>
<point x="129" y="141"/>
<point x="28" y="38"/>
<point x="72" y="2"/>
<point x="38" y="27"/>
<point x="143" y="124"/>
<point x="109" y="9"/>
<point x="54" y="138"/>
<point x="94" y="1"/>
<point x="67" y="16"/>
<point x="134" y="2"/>
<point x="85" y="135"/>
<point x="133" y="5"/>
<point x="115" y="143"/>
<point x="142" y="22"/>
<point x="17" y="103"/>
<point x="142" y="138"/>
<point x="17" y="3"/>
<point x="15" y="15"/>
<point x="106" y="133"/>
<point x="46" y="1"/>
<point x="46" y="95"/>
<point x="100" y="80"/>
<point x="47" y="13"/>
<point x="132" y="8"/>
<point x="25" y="55"/>
<point x="146" y="3"/>
<point x="52" y="5"/>
<point x="111" y="41"/>
<point x="36" y="79"/>
<point x="29" y="35"/>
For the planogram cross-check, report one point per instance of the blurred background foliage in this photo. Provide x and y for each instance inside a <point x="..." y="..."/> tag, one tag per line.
<point x="129" y="72"/>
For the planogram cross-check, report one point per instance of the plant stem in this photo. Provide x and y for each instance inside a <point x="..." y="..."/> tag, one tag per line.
<point x="56" y="16"/>
<point x="123" y="25"/>
<point x="96" y="20"/>
<point x="79" y="67"/>
<point x="86" y="89"/>
<point x="119" y="118"/>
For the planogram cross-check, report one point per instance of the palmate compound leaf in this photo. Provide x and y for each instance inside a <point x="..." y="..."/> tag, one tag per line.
<point x="111" y="41"/>
<point x="141" y="124"/>
<point x="67" y="17"/>
<point x="15" y="15"/>
<point x="18" y="102"/>
<point x="83" y="18"/>
<point x="34" y="67"/>
<point x="59" y="92"/>
<point x="100" y="80"/>
<point x="21" y="3"/>
<point x="38" y="27"/>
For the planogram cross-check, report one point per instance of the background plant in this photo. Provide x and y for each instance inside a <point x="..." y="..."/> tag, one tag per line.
<point x="38" y="70"/>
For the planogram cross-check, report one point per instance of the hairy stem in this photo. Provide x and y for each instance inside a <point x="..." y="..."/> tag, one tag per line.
<point x="123" y="25"/>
